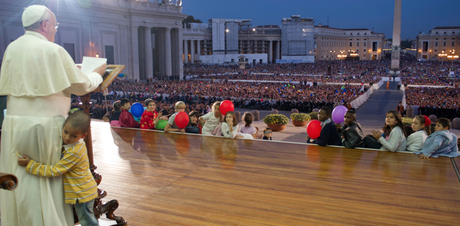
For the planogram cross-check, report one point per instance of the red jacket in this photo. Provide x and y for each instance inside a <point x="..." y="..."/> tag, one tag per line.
<point x="147" y="119"/>
<point x="127" y="120"/>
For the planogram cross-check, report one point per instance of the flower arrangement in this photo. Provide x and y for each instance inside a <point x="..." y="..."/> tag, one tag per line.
<point x="313" y="115"/>
<point x="276" y="119"/>
<point x="406" y="121"/>
<point x="300" y="117"/>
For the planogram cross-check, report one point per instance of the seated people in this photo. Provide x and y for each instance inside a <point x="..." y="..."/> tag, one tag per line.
<point x="171" y="126"/>
<point x="352" y="134"/>
<point x="230" y="127"/>
<point x="248" y="128"/>
<point x="211" y="119"/>
<point x="193" y="126"/>
<point x="126" y="118"/>
<point x="393" y="138"/>
<point x="257" y="135"/>
<point x="329" y="134"/>
<point x="440" y="143"/>
<point x="115" y="116"/>
<point x="267" y="134"/>
<point x="150" y="117"/>
<point x="421" y="127"/>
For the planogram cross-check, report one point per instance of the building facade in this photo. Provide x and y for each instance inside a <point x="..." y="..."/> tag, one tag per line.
<point x="222" y="41"/>
<point x="144" y="35"/>
<point x="439" y="40"/>
<point x="297" y="40"/>
<point x="351" y="44"/>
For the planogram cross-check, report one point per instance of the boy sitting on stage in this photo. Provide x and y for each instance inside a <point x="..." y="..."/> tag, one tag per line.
<point x="352" y="134"/>
<point x="171" y="126"/>
<point x="440" y="143"/>
<point x="267" y="134"/>
<point x="329" y="134"/>
<point x="79" y="184"/>
<point x="126" y="119"/>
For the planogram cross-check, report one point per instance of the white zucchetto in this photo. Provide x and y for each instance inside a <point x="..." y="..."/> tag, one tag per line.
<point x="32" y="14"/>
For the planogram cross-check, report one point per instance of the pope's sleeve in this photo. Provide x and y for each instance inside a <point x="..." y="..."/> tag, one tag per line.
<point x="86" y="83"/>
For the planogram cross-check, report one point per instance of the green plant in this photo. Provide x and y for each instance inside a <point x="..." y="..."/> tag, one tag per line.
<point x="407" y="121"/>
<point x="276" y="119"/>
<point x="313" y="115"/>
<point x="300" y="117"/>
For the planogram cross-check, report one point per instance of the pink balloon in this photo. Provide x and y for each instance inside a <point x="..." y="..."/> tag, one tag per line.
<point x="338" y="113"/>
<point x="314" y="129"/>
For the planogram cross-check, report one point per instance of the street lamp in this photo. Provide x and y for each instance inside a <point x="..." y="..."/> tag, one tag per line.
<point x="341" y="56"/>
<point x="453" y="57"/>
<point x="442" y="55"/>
<point x="353" y="55"/>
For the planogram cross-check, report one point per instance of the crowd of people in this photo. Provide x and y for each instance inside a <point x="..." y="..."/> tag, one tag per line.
<point x="198" y="95"/>
<point x="434" y="73"/>
<point x="327" y="71"/>
<point x="444" y="102"/>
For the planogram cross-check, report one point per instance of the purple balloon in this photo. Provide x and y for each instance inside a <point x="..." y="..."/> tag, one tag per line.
<point x="338" y="113"/>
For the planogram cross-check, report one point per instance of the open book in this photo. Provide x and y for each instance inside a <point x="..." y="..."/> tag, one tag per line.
<point x="90" y="63"/>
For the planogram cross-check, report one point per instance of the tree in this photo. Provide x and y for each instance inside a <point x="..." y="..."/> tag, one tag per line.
<point x="190" y="19"/>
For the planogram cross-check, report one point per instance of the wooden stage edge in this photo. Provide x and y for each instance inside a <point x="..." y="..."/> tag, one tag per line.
<point x="182" y="179"/>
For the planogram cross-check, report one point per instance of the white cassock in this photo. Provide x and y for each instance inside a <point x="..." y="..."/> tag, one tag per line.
<point x="38" y="76"/>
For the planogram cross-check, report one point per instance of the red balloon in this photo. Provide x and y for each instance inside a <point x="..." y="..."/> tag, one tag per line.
<point x="226" y="106"/>
<point x="314" y="129"/>
<point x="181" y="120"/>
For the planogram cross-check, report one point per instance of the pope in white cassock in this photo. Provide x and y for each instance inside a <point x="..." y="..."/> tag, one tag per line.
<point x="38" y="77"/>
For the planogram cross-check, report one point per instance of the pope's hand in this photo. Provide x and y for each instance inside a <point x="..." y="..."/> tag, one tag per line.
<point x="101" y="69"/>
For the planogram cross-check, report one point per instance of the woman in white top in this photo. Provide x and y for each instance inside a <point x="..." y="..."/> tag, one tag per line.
<point x="230" y="127"/>
<point x="212" y="119"/>
<point x="421" y="126"/>
<point x="394" y="138"/>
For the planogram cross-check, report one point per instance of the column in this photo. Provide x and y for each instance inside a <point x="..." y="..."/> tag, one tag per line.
<point x="148" y="53"/>
<point x="205" y="47"/>
<point x="192" y="51"/>
<point x="396" y="37"/>
<point x="161" y="51"/>
<point x="278" y="50"/>
<point x="134" y="53"/>
<point x="168" y="52"/>
<point x="185" y="51"/>
<point x="180" y="66"/>
<point x="198" y="48"/>
<point x="270" y="51"/>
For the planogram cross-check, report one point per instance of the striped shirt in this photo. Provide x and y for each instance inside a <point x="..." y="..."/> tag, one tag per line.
<point x="79" y="183"/>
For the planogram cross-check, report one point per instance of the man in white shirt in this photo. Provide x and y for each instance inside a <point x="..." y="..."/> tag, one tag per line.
<point x="38" y="77"/>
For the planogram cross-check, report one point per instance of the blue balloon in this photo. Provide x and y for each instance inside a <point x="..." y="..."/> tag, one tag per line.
<point x="137" y="109"/>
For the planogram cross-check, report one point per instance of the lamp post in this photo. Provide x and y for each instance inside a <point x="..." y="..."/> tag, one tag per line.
<point x="341" y="56"/>
<point x="452" y="57"/>
<point x="442" y="55"/>
<point x="353" y="55"/>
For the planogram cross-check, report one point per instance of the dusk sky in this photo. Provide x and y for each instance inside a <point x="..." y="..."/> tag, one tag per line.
<point x="417" y="15"/>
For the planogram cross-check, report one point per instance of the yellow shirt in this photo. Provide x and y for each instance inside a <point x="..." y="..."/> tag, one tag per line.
<point x="79" y="183"/>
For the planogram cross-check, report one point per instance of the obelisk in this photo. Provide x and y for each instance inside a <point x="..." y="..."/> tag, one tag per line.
<point x="396" y="43"/>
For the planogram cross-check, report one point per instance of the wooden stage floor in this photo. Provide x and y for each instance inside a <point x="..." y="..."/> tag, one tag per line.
<point x="172" y="179"/>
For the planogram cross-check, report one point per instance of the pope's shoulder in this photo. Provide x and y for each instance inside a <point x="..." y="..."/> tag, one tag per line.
<point x="30" y="41"/>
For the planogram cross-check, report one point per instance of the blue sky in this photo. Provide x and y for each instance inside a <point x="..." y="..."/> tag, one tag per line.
<point x="417" y="15"/>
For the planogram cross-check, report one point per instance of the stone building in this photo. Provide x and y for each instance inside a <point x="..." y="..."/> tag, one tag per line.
<point x="123" y="31"/>
<point x="439" y="40"/>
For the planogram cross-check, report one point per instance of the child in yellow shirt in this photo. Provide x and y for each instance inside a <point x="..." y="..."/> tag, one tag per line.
<point x="79" y="185"/>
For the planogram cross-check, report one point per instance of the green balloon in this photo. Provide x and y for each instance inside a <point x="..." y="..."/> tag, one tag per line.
<point x="161" y="124"/>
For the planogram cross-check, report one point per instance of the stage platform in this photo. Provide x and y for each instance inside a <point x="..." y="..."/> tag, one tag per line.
<point x="175" y="179"/>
